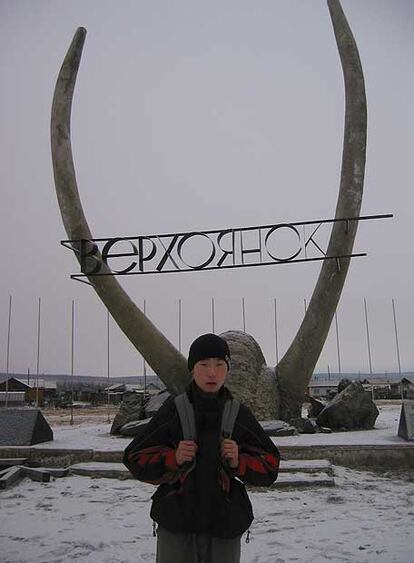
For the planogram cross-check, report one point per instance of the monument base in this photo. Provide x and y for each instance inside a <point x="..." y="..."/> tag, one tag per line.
<point x="406" y="426"/>
<point x="23" y="427"/>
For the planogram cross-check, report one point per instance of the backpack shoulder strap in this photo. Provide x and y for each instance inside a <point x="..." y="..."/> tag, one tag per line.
<point x="186" y="413"/>
<point x="230" y="412"/>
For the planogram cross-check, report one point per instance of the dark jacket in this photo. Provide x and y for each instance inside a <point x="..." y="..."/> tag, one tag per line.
<point x="206" y="496"/>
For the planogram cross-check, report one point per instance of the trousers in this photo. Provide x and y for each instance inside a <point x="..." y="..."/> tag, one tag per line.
<point x="196" y="548"/>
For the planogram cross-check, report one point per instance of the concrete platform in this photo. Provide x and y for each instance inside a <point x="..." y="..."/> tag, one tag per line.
<point x="398" y="455"/>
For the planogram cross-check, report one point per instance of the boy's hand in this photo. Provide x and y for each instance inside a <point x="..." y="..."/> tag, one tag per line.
<point x="186" y="451"/>
<point x="230" y="452"/>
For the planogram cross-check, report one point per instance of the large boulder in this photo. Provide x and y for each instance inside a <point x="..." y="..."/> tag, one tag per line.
<point x="352" y="409"/>
<point x="133" y="428"/>
<point x="250" y="379"/>
<point x="155" y="402"/>
<point x="131" y="408"/>
<point x="278" y="428"/>
<point x="343" y="384"/>
<point x="305" y="425"/>
<point x="315" y="407"/>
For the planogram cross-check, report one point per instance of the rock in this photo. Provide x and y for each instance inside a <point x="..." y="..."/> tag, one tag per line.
<point x="315" y="407"/>
<point x="131" y="409"/>
<point x="305" y="425"/>
<point x="278" y="428"/>
<point x="330" y="394"/>
<point x="250" y="379"/>
<point x="310" y="426"/>
<point x="155" y="402"/>
<point x="343" y="384"/>
<point x="133" y="414"/>
<point x="352" y="409"/>
<point x="132" y="428"/>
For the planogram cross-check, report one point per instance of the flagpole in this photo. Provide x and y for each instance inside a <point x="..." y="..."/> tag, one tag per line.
<point x="72" y="345"/>
<point x="107" y="362"/>
<point x="179" y="324"/>
<point x="276" y="333"/>
<point x="368" y="342"/>
<point x="397" y="348"/>
<point x="396" y="337"/>
<point x="8" y="352"/>
<point x="143" y="359"/>
<point x="38" y="354"/>
<point x="337" y="343"/>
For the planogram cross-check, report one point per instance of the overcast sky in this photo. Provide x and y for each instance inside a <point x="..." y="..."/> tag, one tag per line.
<point x="193" y="115"/>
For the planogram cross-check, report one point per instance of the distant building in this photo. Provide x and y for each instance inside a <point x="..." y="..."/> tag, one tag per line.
<point x="37" y="391"/>
<point x="402" y="389"/>
<point x="377" y="388"/>
<point x="394" y="389"/>
<point x="116" y="392"/>
<point x="322" y="389"/>
<point x="12" y="399"/>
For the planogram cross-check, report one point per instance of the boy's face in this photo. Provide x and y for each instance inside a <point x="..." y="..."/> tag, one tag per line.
<point x="210" y="374"/>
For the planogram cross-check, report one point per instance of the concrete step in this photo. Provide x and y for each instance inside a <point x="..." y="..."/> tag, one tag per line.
<point x="306" y="466"/>
<point x="55" y="472"/>
<point x="40" y="473"/>
<point x="303" y="474"/>
<point x="10" y="476"/>
<point x="101" y="469"/>
<point x="303" y="479"/>
<point x="11" y="461"/>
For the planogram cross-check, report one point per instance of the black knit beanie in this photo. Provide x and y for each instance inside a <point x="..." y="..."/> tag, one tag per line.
<point x="208" y="346"/>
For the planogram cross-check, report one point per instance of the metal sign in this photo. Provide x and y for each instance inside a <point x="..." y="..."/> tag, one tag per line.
<point x="208" y="250"/>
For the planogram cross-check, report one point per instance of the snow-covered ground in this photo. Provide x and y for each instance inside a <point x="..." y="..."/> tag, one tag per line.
<point x="367" y="517"/>
<point x="85" y="434"/>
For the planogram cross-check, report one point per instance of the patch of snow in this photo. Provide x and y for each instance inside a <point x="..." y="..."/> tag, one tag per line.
<point x="366" y="518"/>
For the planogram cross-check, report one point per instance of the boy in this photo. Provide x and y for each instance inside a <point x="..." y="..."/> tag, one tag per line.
<point x="201" y="505"/>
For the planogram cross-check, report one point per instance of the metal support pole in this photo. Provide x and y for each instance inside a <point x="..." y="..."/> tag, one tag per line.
<point x="244" y="315"/>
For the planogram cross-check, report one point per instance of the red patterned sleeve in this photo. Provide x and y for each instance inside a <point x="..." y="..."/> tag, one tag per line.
<point x="257" y="466"/>
<point x="155" y="465"/>
<point x="258" y="456"/>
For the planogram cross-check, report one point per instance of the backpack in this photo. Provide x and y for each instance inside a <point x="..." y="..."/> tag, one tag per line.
<point x="186" y="414"/>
